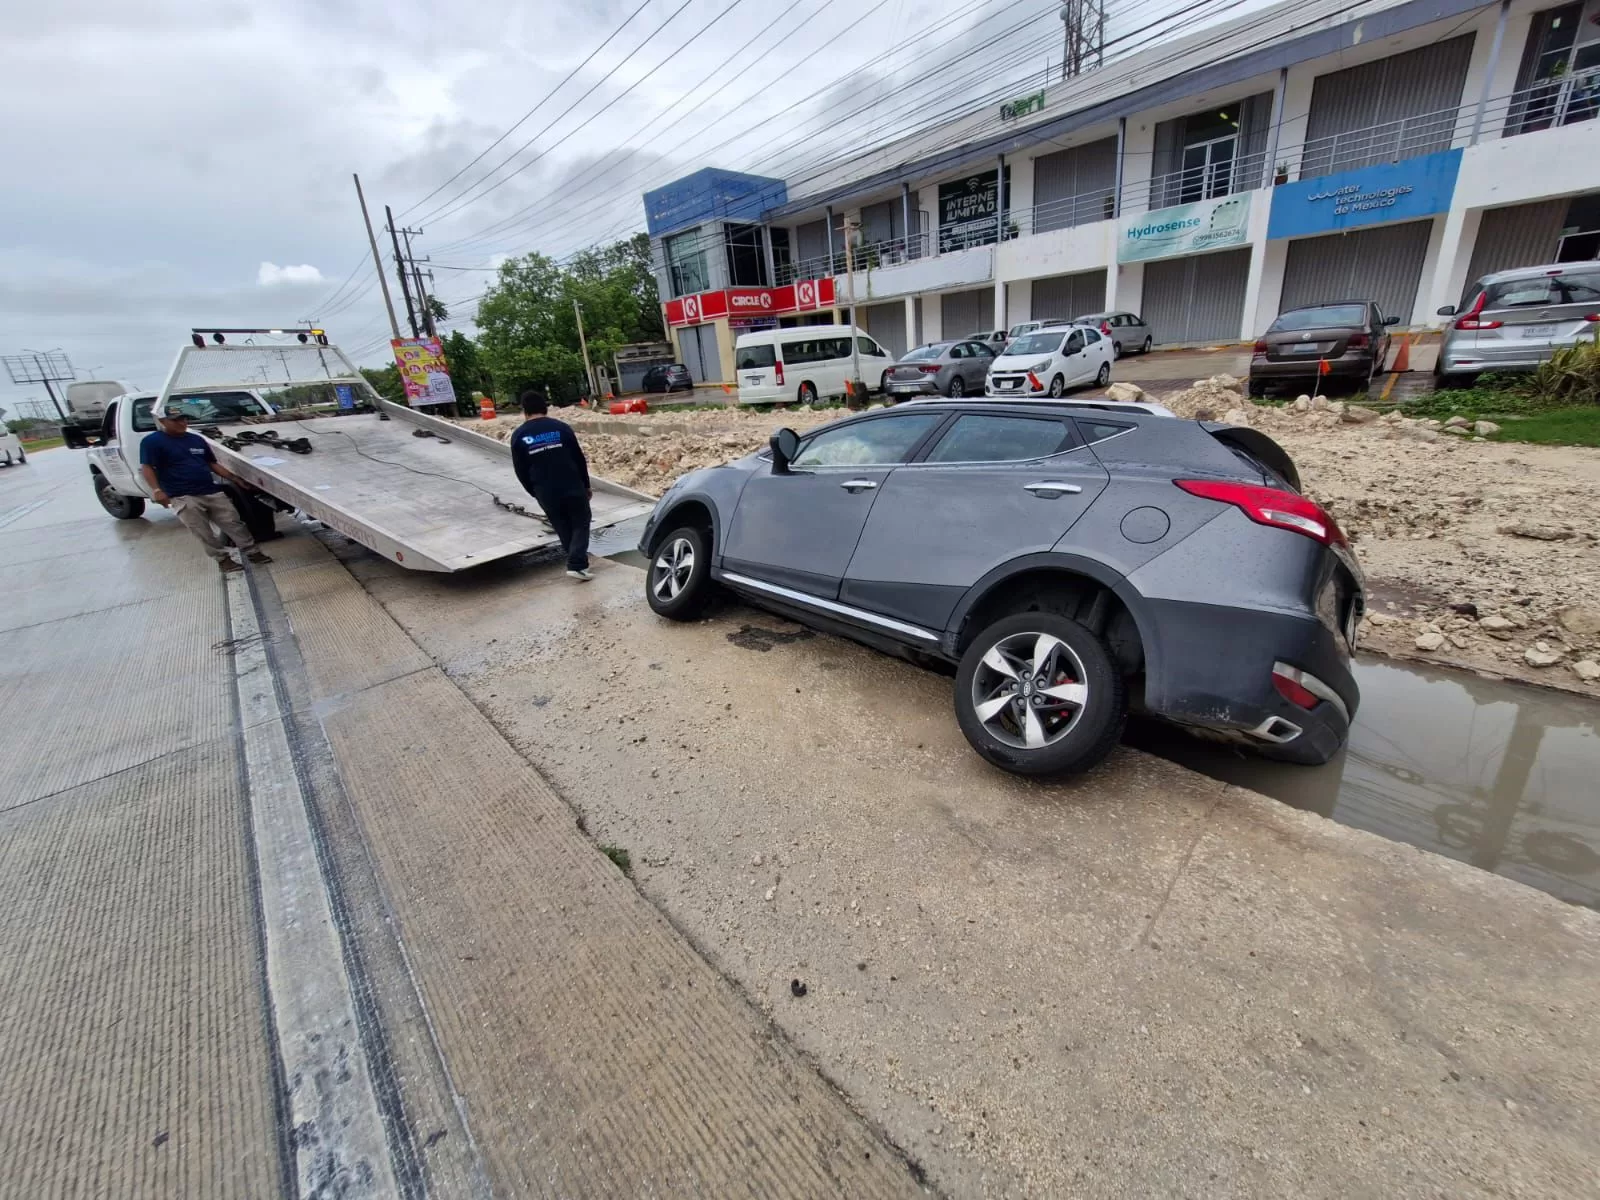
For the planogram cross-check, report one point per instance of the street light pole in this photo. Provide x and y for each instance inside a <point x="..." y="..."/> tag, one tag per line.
<point x="857" y="394"/>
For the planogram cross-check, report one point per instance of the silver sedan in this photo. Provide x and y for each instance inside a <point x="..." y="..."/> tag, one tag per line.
<point x="941" y="369"/>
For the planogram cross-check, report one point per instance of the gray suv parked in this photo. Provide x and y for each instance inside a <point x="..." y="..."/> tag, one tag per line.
<point x="1069" y="559"/>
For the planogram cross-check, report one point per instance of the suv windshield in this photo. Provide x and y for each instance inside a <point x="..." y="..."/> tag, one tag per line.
<point x="1327" y="316"/>
<point x="1574" y="287"/>
<point x="1037" y="343"/>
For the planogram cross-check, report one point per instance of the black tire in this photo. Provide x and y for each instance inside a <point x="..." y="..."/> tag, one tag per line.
<point x="671" y="591"/>
<point x="1103" y="377"/>
<point x="1058" y="387"/>
<point x="1148" y="342"/>
<point x="1081" y="737"/>
<point x="22" y="457"/>
<point x="883" y="384"/>
<point x="957" y="388"/>
<point x="808" y="393"/>
<point x="1257" y="389"/>
<point x="123" y="508"/>
<point x="1450" y="380"/>
<point x="1116" y="349"/>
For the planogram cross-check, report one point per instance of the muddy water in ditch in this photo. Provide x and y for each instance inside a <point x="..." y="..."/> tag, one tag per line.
<point x="1500" y="775"/>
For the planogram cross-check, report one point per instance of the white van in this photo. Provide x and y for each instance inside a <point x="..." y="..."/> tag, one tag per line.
<point x="805" y="364"/>
<point x="11" y="450"/>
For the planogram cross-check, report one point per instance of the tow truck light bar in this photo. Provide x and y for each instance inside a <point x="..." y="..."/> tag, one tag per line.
<point x="197" y="336"/>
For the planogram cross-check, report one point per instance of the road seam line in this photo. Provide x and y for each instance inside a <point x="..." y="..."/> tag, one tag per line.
<point x="338" y="1137"/>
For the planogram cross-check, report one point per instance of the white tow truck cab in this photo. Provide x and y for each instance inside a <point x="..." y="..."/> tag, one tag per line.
<point x="299" y="423"/>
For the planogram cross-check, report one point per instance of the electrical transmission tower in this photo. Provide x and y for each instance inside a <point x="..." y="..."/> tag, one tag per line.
<point x="1085" y="31"/>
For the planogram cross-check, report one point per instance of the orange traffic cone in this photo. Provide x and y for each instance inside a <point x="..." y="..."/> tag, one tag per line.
<point x="486" y="408"/>
<point x="1402" y="358"/>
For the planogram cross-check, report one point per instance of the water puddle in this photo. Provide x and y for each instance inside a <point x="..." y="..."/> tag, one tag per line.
<point x="1499" y="775"/>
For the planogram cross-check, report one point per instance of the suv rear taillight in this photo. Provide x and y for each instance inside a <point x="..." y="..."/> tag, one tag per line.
<point x="779" y="368"/>
<point x="1270" y="506"/>
<point x="1469" y="319"/>
<point x="1261" y="348"/>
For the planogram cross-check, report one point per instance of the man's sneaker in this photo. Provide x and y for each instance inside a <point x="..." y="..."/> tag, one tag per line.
<point x="257" y="556"/>
<point x="582" y="576"/>
<point x="228" y="566"/>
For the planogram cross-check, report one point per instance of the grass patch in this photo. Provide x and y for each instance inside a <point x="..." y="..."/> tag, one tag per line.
<point x="1558" y="427"/>
<point x="1525" y="411"/>
<point x="621" y="857"/>
<point x="43" y="443"/>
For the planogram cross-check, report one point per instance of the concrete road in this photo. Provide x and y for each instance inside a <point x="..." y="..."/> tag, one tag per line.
<point x="302" y="891"/>
<point x="281" y="914"/>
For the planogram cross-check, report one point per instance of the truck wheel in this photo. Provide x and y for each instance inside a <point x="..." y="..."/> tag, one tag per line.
<point x="123" y="508"/>
<point x="678" y="585"/>
<point x="1038" y="694"/>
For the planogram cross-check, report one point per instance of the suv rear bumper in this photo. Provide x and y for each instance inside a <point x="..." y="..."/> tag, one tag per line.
<point x="1212" y="668"/>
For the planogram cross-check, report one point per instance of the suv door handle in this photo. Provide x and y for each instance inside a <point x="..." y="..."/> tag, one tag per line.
<point x="1049" y="489"/>
<point x="858" y="485"/>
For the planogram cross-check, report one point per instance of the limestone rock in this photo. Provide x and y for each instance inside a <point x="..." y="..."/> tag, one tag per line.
<point x="1580" y="620"/>
<point x="1540" y="655"/>
<point x="1430" y="640"/>
<point x="1457" y="423"/>
<point x="1236" y="416"/>
<point x="1126" y="393"/>
<point x="1484" y="428"/>
<point x="1355" y="414"/>
<point x="1586" y="669"/>
<point x="1543" y="533"/>
<point x="1231" y="382"/>
<point x="1301" y="405"/>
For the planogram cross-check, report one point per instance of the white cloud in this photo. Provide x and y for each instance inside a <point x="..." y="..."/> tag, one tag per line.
<point x="272" y="274"/>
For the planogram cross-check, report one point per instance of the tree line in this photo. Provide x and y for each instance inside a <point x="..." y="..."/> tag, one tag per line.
<point x="528" y="331"/>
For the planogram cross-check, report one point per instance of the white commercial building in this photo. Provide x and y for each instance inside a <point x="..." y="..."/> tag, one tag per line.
<point x="1308" y="152"/>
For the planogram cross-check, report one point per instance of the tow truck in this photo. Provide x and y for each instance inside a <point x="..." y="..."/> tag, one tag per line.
<point x="296" y="420"/>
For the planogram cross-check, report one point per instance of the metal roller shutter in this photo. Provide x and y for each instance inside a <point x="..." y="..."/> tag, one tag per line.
<point x="1524" y="235"/>
<point x="1074" y="187"/>
<point x="1062" y="297"/>
<point x="886" y="323"/>
<point x="701" y="353"/>
<point x="1199" y="299"/>
<point x="964" y="313"/>
<point x="1382" y="264"/>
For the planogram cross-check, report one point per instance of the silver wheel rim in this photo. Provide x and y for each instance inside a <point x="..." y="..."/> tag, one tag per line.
<point x="1105" y="375"/>
<point x="670" y="573"/>
<point x="957" y="388"/>
<point x="1029" y="691"/>
<point x="1057" y="387"/>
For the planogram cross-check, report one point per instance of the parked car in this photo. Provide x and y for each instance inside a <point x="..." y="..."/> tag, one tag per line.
<point x="669" y="379"/>
<point x="1067" y="559"/>
<point x="805" y="363"/>
<point x="1514" y="320"/>
<point x="941" y="369"/>
<point x="995" y="339"/>
<point x="1127" y="331"/>
<point x="1350" y="336"/>
<point x="1049" y="361"/>
<point x="1018" y="330"/>
<point x="11" y="448"/>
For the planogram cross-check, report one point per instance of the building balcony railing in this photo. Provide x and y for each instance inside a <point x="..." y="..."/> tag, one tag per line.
<point x="1548" y="104"/>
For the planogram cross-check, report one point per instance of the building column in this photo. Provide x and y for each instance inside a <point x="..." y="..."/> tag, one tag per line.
<point x="999" y="305"/>
<point x="912" y="335"/>
<point x="766" y="251"/>
<point x="1260" y="215"/>
<point x="1449" y="277"/>
<point x="828" y="221"/>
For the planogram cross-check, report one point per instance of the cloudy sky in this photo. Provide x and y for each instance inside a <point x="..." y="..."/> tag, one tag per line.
<point x="174" y="163"/>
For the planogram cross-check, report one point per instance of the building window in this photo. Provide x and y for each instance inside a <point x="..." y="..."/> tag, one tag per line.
<point x="747" y="261"/>
<point x="686" y="263"/>
<point x="1559" y="83"/>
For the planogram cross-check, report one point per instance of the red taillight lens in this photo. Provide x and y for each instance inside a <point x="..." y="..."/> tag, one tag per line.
<point x="780" y="372"/>
<point x="1358" y="341"/>
<point x="1261" y="348"/>
<point x="1270" y="506"/>
<point x="1294" y="691"/>
<point x="1105" y="328"/>
<point x="1469" y="319"/>
<point x="930" y="369"/>
<point x="1591" y="317"/>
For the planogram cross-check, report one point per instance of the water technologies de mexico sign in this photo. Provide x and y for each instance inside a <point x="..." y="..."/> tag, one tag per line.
<point x="1398" y="191"/>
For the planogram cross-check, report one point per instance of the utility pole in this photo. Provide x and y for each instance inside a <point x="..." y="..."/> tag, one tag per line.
<point x="377" y="260"/>
<point x="400" y="267"/>
<point x="588" y="369"/>
<point x="858" y="395"/>
<point x="424" y="313"/>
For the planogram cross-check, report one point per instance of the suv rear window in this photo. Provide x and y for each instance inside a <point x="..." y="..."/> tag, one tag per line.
<point x="754" y="358"/>
<point x="1570" y="287"/>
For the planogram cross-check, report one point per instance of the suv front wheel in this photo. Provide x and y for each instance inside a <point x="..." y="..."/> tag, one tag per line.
<point x="679" y="585"/>
<point x="1038" y="694"/>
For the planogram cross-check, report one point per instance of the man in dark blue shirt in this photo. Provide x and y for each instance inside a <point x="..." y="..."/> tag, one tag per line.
<point x="180" y="470"/>
<point x="551" y="467"/>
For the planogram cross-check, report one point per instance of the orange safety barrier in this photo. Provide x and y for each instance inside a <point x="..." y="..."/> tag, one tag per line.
<point x="486" y="408"/>
<point x="1402" y="358"/>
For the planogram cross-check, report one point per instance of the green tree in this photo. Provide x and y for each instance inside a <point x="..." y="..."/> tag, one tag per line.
<point x="467" y="372"/>
<point x="386" y="382"/>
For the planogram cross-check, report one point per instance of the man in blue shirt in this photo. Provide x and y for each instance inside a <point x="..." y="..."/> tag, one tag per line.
<point x="181" y="471"/>
<point x="551" y="467"/>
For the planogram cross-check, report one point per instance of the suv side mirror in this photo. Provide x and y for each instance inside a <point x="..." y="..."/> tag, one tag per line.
<point x="1449" y="310"/>
<point x="1396" y="320"/>
<point x="785" y="445"/>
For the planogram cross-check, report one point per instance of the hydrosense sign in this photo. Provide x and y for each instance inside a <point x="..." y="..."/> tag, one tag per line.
<point x="1185" y="229"/>
<point x="1401" y="191"/>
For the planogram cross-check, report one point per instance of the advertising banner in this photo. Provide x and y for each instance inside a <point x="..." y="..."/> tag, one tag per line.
<point x="1399" y="191"/>
<point x="423" y="371"/>
<point x="808" y="295"/>
<point x="968" y="209"/>
<point x="1185" y="229"/>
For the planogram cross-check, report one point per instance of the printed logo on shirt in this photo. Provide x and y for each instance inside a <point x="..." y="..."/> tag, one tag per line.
<point x="537" y="442"/>
<point x="199" y="451"/>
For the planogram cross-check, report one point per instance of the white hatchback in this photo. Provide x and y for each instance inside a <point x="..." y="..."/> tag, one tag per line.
<point x="1049" y="361"/>
<point x="11" y="450"/>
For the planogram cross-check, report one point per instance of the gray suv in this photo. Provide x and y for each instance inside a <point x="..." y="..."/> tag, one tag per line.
<point x="1515" y="320"/>
<point x="1070" y="560"/>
